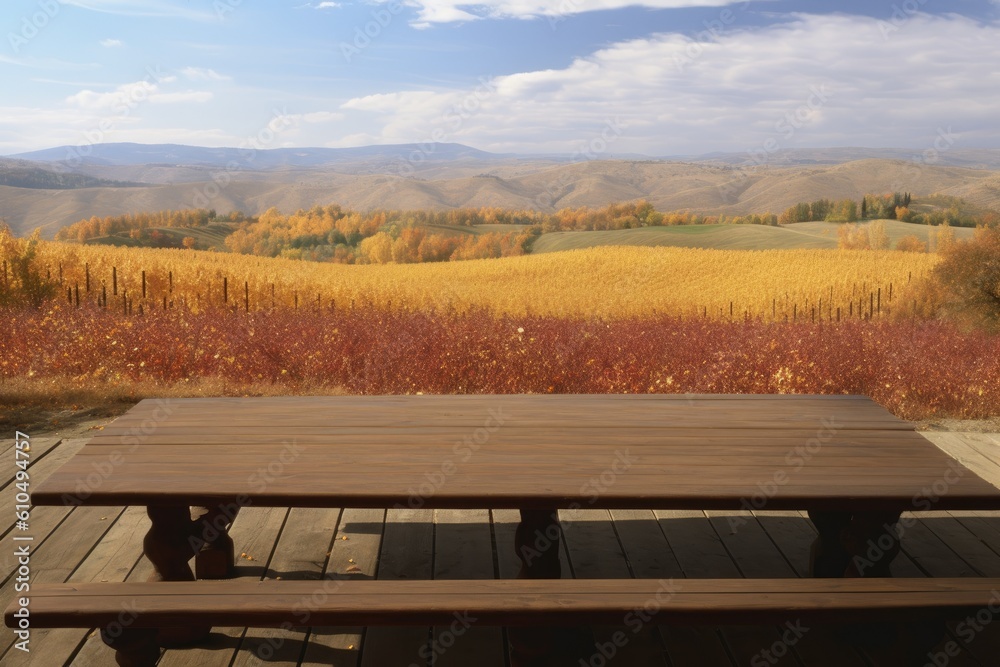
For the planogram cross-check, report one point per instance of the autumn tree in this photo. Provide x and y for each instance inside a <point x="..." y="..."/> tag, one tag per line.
<point x="852" y="237"/>
<point x="911" y="243"/>
<point x="878" y="239"/>
<point x="969" y="280"/>
<point x="945" y="238"/>
<point x="22" y="283"/>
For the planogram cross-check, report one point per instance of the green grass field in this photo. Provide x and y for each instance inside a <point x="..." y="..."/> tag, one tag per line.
<point x="726" y="237"/>
<point x="721" y="237"/>
<point x="210" y="237"/>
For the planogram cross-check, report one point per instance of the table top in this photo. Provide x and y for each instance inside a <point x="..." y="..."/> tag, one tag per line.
<point x="518" y="451"/>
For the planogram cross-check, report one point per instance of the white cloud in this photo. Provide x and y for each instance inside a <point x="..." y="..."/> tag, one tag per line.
<point x="321" y="117"/>
<point x="112" y="43"/>
<point x="326" y="5"/>
<point x="827" y="80"/>
<point x="204" y="74"/>
<point x="128" y="96"/>
<point x="448" y="11"/>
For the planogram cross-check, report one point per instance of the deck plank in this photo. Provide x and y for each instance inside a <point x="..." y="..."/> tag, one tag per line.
<point x="463" y="549"/>
<point x="301" y="553"/>
<point x="407" y="552"/>
<point x="596" y="553"/>
<point x="354" y="555"/>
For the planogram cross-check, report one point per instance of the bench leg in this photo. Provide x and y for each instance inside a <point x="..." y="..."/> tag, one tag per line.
<point x="215" y="557"/>
<point x="134" y="647"/>
<point x="168" y="548"/>
<point x="853" y="544"/>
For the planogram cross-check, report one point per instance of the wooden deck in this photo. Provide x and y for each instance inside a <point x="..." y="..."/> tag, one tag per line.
<point x="104" y="544"/>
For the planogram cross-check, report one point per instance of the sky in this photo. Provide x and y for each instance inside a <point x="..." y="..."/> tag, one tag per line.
<point x="590" y="78"/>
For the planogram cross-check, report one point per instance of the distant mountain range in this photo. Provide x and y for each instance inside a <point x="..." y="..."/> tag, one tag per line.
<point x="419" y="155"/>
<point x="44" y="189"/>
<point x="249" y="158"/>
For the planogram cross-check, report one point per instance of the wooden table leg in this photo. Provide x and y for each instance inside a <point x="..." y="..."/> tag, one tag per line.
<point x="857" y="544"/>
<point x="853" y="544"/>
<point x="215" y="556"/>
<point x="828" y="558"/>
<point x="872" y="542"/>
<point x="167" y="546"/>
<point x="537" y="541"/>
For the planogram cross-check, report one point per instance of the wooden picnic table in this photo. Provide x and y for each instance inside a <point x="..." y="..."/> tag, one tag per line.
<point x="851" y="464"/>
<point x="836" y="456"/>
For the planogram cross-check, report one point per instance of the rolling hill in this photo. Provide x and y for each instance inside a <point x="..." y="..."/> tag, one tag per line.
<point x="368" y="179"/>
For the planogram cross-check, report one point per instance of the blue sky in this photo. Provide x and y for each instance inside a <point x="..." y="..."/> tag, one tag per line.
<point x="593" y="77"/>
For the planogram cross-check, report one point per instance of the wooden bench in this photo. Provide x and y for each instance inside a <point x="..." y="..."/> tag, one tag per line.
<point x="130" y="614"/>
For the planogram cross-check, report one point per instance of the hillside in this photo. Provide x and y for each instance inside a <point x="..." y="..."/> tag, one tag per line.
<point x="24" y="174"/>
<point x="705" y="188"/>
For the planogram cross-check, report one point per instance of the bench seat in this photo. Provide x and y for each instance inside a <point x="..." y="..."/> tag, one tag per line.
<point x="137" y="618"/>
<point x="517" y="602"/>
